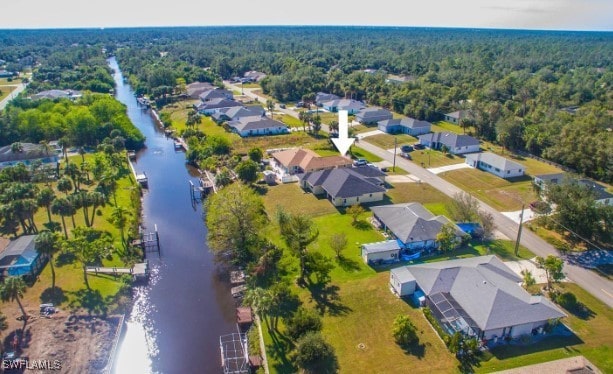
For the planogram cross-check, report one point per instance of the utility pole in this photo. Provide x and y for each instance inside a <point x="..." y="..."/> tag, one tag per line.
<point x="521" y="220"/>
<point x="395" y="147"/>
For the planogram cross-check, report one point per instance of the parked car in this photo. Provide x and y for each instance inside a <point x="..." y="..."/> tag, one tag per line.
<point x="406" y="148"/>
<point x="405" y="155"/>
<point x="419" y="146"/>
<point x="360" y="162"/>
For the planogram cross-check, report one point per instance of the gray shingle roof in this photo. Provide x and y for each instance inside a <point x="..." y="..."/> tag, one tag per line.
<point x="239" y="112"/>
<point x="403" y="274"/>
<point x="486" y="289"/>
<point x="372" y="112"/>
<point x="24" y="247"/>
<point x="255" y="123"/>
<point x="344" y="104"/>
<point x="408" y="122"/>
<point x="494" y="160"/>
<point x="216" y="93"/>
<point x="449" y="139"/>
<point x="346" y="182"/>
<point x="218" y="103"/>
<point x="411" y="222"/>
<point x="323" y="97"/>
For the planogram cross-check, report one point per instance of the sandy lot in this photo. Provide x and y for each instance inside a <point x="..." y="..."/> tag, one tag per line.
<point x="79" y="342"/>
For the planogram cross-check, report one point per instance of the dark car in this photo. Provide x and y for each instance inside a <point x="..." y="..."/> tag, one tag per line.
<point x="406" y="148"/>
<point x="405" y="155"/>
<point x="418" y="146"/>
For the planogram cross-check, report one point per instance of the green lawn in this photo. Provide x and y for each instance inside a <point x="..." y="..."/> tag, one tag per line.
<point x="386" y="141"/>
<point x="362" y="153"/>
<point x="295" y="200"/>
<point x="593" y="339"/>
<point x="429" y="158"/>
<point x="419" y="192"/>
<point x="443" y="126"/>
<point x="501" y="194"/>
<point x="289" y="120"/>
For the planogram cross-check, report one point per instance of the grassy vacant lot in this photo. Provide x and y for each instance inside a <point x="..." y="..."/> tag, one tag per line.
<point x="502" y="194"/>
<point x="5" y="91"/>
<point x="592" y="326"/>
<point x="289" y="120"/>
<point x="386" y="141"/>
<point x="423" y="193"/>
<point x="443" y="126"/>
<point x="429" y="158"/>
<point x="295" y="200"/>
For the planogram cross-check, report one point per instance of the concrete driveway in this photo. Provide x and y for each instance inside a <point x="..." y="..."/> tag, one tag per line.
<point x="442" y="169"/>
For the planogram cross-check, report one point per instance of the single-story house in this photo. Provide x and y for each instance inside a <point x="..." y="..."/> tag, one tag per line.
<point x="346" y="186"/>
<point x="297" y="160"/>
<point x="27" y="153"/>
<point x="19" y="257"/>
<point x="478" y="296"/>
<point x="6" y="74"/>
<point x="495" y="164"/>
<point x="258" y="125"/>
<point x="455" y="143"/>
<point x="322" y="97"/>
<point x="404" y="125"/>
<point x="216" y="93"/>
<point x="253" y="76"/>
<point x="601" y="195"/>
<point x="455" y="117"/>
<point x="414" y="225"/>
<point x="373" y="115"/>
<point x="195" y="89"/>
<point x="384" y="252"/>
<point x="237" y="112"/>
<point x="57" y="94"/>
<point x="350" y="105"/>
<point x="216" y="105"/>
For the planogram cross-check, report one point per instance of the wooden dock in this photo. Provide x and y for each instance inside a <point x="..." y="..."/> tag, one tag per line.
<point x="139" y="270"/>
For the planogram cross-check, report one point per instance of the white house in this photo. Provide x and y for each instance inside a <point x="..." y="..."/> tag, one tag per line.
<point x="350" y="105"/>
<point x="373" y="115"/>
<point x="497" y="165"/>
<point x="478" y="296"/>
<point x="456" y="117"/>
<point x="216" y="105"/>
<point x="256" y="125"/>
<point x="404" y="125"/>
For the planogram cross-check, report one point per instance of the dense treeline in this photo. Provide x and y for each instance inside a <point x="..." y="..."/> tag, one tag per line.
<point x="514" y="82"/>
<point x="87" y="122"/>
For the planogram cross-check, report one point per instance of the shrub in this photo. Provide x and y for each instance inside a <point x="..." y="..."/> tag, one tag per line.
<point x="568" y="300"/>
<point x="404" y="331"/>
<point x="301" y="322"/>
<point x="434" y="322"/>
<point x="315" y="355"/>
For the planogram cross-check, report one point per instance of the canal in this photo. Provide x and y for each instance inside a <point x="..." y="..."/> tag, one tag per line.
<point x="177" y="318"/>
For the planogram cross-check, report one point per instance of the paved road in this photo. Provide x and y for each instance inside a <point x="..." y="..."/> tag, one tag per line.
<point x="20" y="87"/>
<point x="587" y="279"/>
<point x="593" y="283"/>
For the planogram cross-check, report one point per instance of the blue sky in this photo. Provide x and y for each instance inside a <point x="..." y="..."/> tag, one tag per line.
<point x="516" y="14"/>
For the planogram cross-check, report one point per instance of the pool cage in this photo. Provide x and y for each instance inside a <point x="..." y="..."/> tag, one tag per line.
<point x="451" y="315"/>
<point x="234" y="353"/>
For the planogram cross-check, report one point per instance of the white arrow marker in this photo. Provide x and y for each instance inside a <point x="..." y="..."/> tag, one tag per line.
<point x="343" y="142"/>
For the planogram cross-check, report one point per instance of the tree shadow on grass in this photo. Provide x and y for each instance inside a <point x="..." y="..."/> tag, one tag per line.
<point x="362" y="225"/>
<point x="64" y="258"/>
<point x="92" y="301"/>
<point x="418" y="350"/>
<point x="580" y="311"/>
<point x="347" y="264"/>
<point x="509" y="350"/>
<point x="18" y="339"/>
<point x="327" y="299"/>
<point x="280" y="350"/>
<point x="56" y="296"/>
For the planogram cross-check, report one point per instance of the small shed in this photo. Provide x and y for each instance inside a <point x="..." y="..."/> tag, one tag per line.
<point x="381" y="252"/>
<point x="402" y="282"/>
<point x="269" y="177"/>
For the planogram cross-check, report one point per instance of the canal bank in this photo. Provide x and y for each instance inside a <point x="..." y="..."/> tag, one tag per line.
<point x="177" y="318"/>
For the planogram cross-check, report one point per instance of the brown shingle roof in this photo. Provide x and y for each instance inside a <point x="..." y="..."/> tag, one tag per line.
<point x="308" y="160"/>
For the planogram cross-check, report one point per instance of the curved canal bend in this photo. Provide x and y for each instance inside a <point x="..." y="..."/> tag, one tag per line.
<point x="177" y="318"/>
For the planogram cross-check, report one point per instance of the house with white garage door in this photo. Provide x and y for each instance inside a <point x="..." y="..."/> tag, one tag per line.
<point x="495" y="164"/>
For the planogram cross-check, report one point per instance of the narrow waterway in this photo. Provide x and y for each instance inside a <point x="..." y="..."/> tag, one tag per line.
<point x="177" y="318"/>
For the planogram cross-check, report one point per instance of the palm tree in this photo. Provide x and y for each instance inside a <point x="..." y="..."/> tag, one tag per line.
<point x="72" y="170"/>
<point x="64" y="142"/>
<point x="82" y="152"/>
<point x="260" y="300"/>
<point x="47" y="244"/>
<point x="64" y="185"/>
<point x="96" y="200"/>
<point x="270" y="105"/>
<point x="89" y="246"/>
<point x="44" y="199"/>
<point x="119" y="219"/>
<point x="298" y="231"/>
<point x="64" y="208"/>
<point x="13" y="289"/>
<point x="16" y="147"/>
